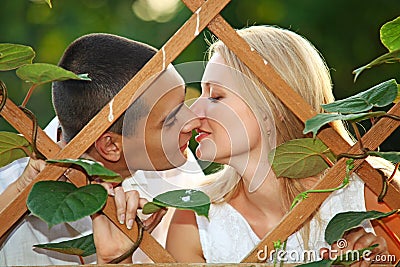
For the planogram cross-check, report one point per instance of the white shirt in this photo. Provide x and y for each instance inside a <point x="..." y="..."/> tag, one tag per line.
<point x="227" y="237"/>
<point x="18" y="247"/>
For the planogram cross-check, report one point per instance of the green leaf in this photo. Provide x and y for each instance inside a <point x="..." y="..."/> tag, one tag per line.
<point x="345" y="221"/>
<point x="13" y="56"/>
<point x="316" y="122"/>
<point x="391" y="57"/>
<point x="151" y="207"/>
<point x="82" y="246"/>
<point x="398" y="95"/>
<point x="391" y="156"/>
<point x="189" y="199"/>
<point x="92" y="168"/>
<point x="300" y="158"/>
<point x="57" y="202"/>
<point x="13" y="147"/>
<point x="390" y="34"/>
<point x="380" y="95"/>
<point x="39" y="73"/>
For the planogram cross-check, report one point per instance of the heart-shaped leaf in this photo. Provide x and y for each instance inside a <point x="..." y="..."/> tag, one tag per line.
<point x="380" y="95"/>
<point x="300" y="158"/>
<point x="185" y="199"/>
<point x="39" y="73"/>
<point x="390" y="34"/>
<point x="82" y="246"/>
<point x="315" y="123"/>
<point x="150" y="208"/>
<point x="391" y="156"/>
<point x="92" y="168"/>
<point x="391" y="57"/>
<point x="13" y="56"/>
<point x="13" y="147"/>
<point x="57" y="202"/>
<point x="345" y="221"/>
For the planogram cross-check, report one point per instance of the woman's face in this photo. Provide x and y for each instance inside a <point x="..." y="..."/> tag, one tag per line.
<point x="228" y="128"/>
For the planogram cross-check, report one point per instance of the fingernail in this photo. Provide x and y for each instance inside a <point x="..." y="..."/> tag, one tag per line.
<point x="129" y="224"/>
<point x="122" y="218"/>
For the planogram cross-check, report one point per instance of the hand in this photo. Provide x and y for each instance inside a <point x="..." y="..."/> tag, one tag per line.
<point x="31" y="171"/>
<point x="356" y="239"/>
<point x="109" y="240"/>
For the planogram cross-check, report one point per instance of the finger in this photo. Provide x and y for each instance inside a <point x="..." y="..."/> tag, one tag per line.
<point x="324" y="253"/>
<point x="38" y="164"/>
<point x="109" y="187"/>
<point x="351" y="237"/>
<point x="120" y="204"/>
<point x="132" y="204"/>
<point x="365" y="241"/>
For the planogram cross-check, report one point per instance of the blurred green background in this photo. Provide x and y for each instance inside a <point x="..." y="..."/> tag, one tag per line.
<point x="345" y="31"/>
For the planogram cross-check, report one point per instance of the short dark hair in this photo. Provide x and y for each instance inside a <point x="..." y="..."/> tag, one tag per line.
<point x="110" y="62"/>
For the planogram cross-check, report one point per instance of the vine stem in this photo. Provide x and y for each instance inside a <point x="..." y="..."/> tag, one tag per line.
<point x="28" y="95"/>
<point x="4" y="93"/>
<point x="394" y="172"/>
<point x="394" y="117"/>
<point x="303" y="195"/>
<point x="135" y="245"/>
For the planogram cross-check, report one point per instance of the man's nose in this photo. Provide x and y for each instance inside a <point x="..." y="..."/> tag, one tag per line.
<point x="192" y="121"/>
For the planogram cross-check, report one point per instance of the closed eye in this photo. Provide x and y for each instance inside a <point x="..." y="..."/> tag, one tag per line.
<point x="215" y="99"/>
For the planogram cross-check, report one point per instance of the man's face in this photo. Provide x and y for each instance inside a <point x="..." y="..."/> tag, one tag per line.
<point x="161" y="136"/>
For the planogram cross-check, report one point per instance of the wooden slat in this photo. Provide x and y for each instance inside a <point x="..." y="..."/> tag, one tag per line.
<point x="100" y="123"/>
<point x="291" y="99"/>
<point x="332" y="179"/>
<point x="303" y="111"/>
<point x="23" y="124"/>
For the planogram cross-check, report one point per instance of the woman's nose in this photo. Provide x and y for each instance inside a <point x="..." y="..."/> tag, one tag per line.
<point x="192" y="121"/>
<point x="198" y="107"/>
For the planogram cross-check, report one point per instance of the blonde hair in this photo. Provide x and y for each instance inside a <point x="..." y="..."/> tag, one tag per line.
<point x="302" y="67"/>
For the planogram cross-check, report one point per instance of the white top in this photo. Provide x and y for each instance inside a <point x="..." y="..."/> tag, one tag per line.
<point x="18" y="250"/>
<point x="228" y="238"/>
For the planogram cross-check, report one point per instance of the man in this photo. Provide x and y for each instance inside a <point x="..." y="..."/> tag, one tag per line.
<point x="133" y="142"/>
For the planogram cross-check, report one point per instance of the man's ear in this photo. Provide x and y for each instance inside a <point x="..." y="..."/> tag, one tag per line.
<point x="109" y="146"/>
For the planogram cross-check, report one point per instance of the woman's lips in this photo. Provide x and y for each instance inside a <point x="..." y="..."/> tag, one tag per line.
<point x="183" y="148"/>
<point x="201" y="136"/>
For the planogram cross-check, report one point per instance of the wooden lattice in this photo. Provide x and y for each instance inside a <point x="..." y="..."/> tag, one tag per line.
<point x="205" y="14"/>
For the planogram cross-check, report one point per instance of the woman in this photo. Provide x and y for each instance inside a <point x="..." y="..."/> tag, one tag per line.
<point x="239" y="126"/>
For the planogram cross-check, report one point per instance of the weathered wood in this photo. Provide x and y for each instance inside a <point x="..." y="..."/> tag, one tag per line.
<point x="334" y="177"/>
<point x="303" y="111"/>
<point x="23" y="124"/>
<point x="165" y="56"/>
<point x="100" y="123"/>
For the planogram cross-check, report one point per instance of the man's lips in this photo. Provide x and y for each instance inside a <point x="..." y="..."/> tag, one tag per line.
<point x="201" y="136"/>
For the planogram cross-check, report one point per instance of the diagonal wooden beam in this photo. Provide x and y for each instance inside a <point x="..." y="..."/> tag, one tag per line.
<point x="303" y="111"/>
<point x="100" y="123"/>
